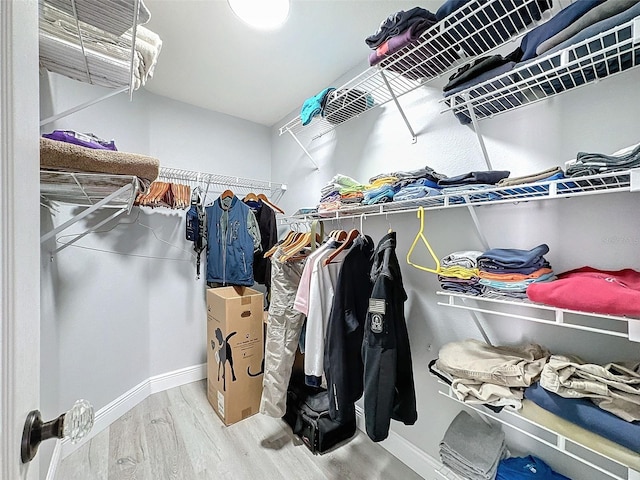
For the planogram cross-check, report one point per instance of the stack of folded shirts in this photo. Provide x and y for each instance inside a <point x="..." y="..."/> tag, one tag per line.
<point x="381" y="189"/>
<point x="472" y="448"/>
<point x="459" y="273"/>
<point x="509" y="271"/>
<point x="341" y="188"/>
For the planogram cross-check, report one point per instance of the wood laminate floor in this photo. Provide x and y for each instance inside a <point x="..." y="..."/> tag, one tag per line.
<point x="176" y="435"/>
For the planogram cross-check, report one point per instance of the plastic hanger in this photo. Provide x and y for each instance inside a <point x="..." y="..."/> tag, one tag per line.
<point x="420" y="236"/>
<point x="264" y="198"/>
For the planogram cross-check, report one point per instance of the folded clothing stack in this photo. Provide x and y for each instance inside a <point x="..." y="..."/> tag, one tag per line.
<point x="381" y="189"/>
<point x="595" y="163"/>
<point x="509" y="271"/>
<point x="491" y="375"/>
<point x="472" y="448"/>
<point x="459" y="272"/>
<point x="341" y="189"/>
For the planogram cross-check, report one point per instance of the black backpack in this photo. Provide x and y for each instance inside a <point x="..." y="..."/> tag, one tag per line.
<point x="196" y="229"/>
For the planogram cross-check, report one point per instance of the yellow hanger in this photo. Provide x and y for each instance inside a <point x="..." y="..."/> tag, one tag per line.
<point x="420" y="236"/>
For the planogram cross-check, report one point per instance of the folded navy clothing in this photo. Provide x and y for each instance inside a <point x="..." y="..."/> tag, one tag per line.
<point x="586" y="414"/>
<point x="486" y="28"/>
<point x="494" y="268"/>
<point x="557" y="23"/>
<point x="488" y="177"/>
<point x="514" y="257"/>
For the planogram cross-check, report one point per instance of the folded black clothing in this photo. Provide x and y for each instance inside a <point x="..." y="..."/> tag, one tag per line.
<point x="479" y="66"/>
<point x="489" y="177"/>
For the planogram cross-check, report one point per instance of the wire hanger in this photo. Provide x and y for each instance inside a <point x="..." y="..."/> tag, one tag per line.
<point x="420" y="236"/>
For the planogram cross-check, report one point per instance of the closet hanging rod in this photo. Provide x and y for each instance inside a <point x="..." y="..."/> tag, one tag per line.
<point x="202" y="178"/>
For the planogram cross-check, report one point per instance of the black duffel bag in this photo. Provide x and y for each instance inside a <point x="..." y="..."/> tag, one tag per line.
<point x="308" y="416"/>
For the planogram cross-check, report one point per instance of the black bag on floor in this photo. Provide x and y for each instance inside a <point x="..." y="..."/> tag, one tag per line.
<point x="308" y="416"/>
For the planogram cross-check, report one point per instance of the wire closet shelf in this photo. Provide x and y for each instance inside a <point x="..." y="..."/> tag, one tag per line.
<point x="623" y="181"/>
<point x="602" y="56"/>
<point x="476" y="29"/>
<point x="91" y="41"/>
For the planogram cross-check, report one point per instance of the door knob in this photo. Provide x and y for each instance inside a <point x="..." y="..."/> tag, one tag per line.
<point x="75" y="424"/>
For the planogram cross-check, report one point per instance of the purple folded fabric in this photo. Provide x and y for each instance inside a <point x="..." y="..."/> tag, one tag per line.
<point x="394" y="44"/>
<point x="87" y="140"/>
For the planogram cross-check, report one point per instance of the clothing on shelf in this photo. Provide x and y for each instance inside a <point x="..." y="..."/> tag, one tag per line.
<point x="88" y="140"/>
<point x="525" y="468"/>
<point x="459" y="272"/>
<point x="548" y="174"/>
<point x="394" y="44"/>
<point x="594" y="163"/>
<point x="314" y="106"/>
<point x="234" y="236"/>
<point x="614" y="387"/>
<point x="596" y="14"/>
<point x="588" y="289"/>
<point x="389" y="391"/>
<point x="484" y="374"/>
<point x="555" y="24"/>
<point x="397" y="23"/>
<point x="489" y="177"/>
<point x="586" y="414"/>
<point x="472" y="448"/>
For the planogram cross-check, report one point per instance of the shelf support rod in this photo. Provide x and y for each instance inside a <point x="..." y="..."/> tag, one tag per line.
<point x="479" y="326"/>
<point x="304" y="150"/>
<point x="395" y="100"/>
<point x="117" y="213"/>
<point x="476" y="222"/>
<point x="66" y="113"/>
<point x="87" y="212"/>
<point x="476" y="127"/>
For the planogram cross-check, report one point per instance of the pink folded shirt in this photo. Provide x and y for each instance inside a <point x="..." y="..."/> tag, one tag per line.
<point x="588" y="289"/>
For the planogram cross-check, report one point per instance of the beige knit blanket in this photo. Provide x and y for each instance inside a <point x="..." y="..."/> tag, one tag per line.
<point x="67" y="156"/>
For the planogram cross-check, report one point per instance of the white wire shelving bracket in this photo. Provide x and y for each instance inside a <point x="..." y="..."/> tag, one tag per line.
<point x="613" y="182"/>
<point x="476" y="29"/>
<point x="587" y="62"/>
<point x="92" y="190"/>
<point x="217" y="183"/>
<point x="560" y="443"/>
<point x="74" y="44"/>
<point x="471" y="304"/>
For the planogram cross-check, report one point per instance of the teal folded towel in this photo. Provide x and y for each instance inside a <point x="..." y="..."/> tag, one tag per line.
<point x="313" y="106"/>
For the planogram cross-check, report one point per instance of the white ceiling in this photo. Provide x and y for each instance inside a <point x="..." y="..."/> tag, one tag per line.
<point x="213" y="60"/>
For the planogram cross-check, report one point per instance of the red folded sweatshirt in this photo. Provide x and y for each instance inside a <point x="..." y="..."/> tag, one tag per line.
<point x="591" y="290"/>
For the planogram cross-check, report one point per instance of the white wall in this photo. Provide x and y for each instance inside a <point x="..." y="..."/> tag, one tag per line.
<point x="601" y="231"/>
<point x="124" y="305"/>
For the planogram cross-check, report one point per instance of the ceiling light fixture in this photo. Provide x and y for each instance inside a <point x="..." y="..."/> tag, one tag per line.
<point x="262" y="14"/>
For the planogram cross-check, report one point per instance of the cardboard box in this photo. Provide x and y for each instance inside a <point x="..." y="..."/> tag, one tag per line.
<point x="234" y="351"/>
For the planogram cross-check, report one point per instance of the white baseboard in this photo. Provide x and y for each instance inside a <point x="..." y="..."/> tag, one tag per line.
<point x="417" y="460"/>
<point x="125" y="402"/>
